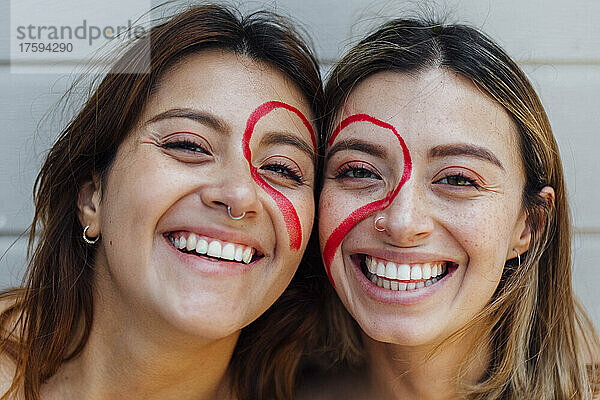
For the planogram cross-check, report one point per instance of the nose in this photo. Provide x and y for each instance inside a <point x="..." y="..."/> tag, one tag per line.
<point x="407" y="221"/>
<point x="233" y="191"/>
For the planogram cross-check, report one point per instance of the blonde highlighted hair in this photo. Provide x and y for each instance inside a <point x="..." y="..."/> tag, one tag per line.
<point x="543" y="344"/>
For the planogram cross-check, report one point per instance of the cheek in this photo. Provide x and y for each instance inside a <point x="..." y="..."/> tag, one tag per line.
<point x="334" y="206"/>
<point x="139" y="193"/>
<point x="486" y="228"/>
<point x="485" y="238"/>
<point x="304" y="205"/>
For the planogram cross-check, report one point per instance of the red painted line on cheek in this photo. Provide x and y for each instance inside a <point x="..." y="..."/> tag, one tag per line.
<point x="339" y="233"/>
<point x="290" y="216"/>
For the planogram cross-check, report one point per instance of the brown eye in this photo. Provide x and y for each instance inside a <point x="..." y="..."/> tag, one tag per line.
<point x="356" y="172"/>
<point x="458" y="180"/>
<point x="285" y="171"/>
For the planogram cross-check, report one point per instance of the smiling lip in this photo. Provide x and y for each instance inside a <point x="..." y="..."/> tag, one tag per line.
<point x="236" y="237"/>
<point x="213" y="251"/>
<point x="209" y="266"/>
<point x="418" y="277"/>
<point x="190" y="243"/>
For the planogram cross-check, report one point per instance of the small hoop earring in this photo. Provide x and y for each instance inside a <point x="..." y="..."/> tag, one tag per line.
<point x="377" y="226"/>
<point x="85" y="237"/>
<point x="232" y="217"/>
<point x="518" y="257"/>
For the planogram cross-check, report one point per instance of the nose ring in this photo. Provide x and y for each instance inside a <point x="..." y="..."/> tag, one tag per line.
<point x="232" y="217"/>
<point x="378" y="227"/>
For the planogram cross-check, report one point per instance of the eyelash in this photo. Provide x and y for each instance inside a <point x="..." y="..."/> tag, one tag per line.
<point x="285" y="170"/>
<point x="344" y="171"/>
<point x="277" y="167"/>
<point x="457" y="177"/>
<point x="185" y="145"/>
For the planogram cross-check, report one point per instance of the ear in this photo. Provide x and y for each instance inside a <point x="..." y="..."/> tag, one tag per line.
<point x="88" y="204"/>
<point x="523" y="226"/>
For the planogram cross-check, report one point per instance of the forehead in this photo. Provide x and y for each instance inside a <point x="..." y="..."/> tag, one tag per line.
<point x="224" y="83"/>
<point x="436" y="106"/>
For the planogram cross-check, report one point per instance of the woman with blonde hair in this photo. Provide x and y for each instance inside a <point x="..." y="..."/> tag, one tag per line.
<point x="444" y="226"/>
<point x="172" y="212"/>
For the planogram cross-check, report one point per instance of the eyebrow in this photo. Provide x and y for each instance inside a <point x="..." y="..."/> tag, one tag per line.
<point x="202" y="117"/>
<point x="289" y="139"/>
<point x="464" y="149"/>
<point x="358" y="145"/>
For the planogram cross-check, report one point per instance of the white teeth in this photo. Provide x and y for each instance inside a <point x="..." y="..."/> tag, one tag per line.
<point x="380" y="269"/>
<point x="228" y="251"/>
<point x="416" y="272"/>
<point x="371" y="265"/>
<point x="201" y="246"/>
<point x="404" y="272"/>
<point x="390" y="270"/>
<point x="247" y="255"/>
<point x="191" y="242"/>
<point x="239" y="253"/>
<point x="214" y="249"/>
<point x="392" y="276"/>
<point x="426" y="271"/>
<point x="398" y="285"/>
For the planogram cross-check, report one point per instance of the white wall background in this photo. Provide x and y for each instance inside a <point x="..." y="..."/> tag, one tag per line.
<point x="556" y="42"/>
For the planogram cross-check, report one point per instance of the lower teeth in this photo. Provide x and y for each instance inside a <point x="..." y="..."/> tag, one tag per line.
<point x="399" y="285"/>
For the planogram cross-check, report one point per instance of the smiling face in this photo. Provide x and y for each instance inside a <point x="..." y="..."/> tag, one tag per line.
<point x="418" y="267"/>
<point x="170" y="252"/>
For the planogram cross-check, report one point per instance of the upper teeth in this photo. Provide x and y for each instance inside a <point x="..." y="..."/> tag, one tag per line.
<point x="213" y="247"/>
<point x="404" y="272"/>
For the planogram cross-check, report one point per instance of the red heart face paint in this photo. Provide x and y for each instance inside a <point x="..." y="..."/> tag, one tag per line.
<point x="290" y="216"/>
<point x="339" y="233"/>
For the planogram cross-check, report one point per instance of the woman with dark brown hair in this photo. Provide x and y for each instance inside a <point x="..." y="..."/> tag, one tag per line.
<point x="445" y="228"/>
<point x="171" y="213"/>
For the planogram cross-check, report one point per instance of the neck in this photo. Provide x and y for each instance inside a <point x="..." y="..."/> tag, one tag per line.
<point x="426" y="373"/>
<point x="133" y="357"/>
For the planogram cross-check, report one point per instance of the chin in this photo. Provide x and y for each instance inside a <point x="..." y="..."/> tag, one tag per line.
<point x="204" y="320"/>
<point x="207" y="327"/>
<point x="400" y="331"/>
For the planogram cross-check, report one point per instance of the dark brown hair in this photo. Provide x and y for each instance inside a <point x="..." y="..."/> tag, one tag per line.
<point x="53" y="309"/>
<point x="541" y="339"/>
